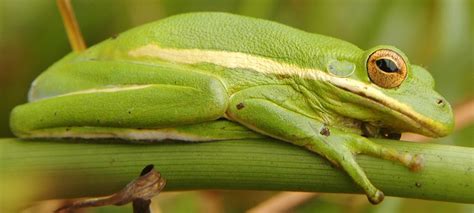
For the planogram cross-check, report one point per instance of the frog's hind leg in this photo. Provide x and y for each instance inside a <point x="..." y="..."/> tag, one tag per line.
<point x="147" y="106"/>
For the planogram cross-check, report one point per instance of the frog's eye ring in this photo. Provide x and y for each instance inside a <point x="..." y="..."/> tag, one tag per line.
<point x="386" y="68"/>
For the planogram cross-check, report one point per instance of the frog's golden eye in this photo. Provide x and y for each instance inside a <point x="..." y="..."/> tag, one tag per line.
<point x="386" y="68"/>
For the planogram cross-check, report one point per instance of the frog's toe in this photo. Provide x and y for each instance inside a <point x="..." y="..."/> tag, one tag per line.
<point x="416" y="163"/>
<point x="413" y="162"/>
<point x="376" y="198"/>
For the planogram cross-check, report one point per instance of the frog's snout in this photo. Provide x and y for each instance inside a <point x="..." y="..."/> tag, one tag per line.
<point x="443" y="122"/>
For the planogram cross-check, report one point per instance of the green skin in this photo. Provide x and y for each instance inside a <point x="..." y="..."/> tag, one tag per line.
<point x="215" y="76"/>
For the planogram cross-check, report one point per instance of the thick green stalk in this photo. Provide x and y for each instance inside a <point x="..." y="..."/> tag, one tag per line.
<point x="48" y="169"/>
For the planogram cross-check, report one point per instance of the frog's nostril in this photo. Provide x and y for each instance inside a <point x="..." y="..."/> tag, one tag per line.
<point x="440" y="102"/>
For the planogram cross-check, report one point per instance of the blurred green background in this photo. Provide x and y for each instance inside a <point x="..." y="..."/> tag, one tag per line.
<point x="437" y="34"/>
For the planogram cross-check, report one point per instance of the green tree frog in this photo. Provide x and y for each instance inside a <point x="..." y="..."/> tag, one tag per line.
<point x="216" y="76"/>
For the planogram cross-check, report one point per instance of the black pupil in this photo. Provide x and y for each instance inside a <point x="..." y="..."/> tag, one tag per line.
<point x="386" y="65"/>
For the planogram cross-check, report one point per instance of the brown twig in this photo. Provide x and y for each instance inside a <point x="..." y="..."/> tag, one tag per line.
<point x="70" y="23"/>
<point x="283" y="202"/>
<point x="139" y="191"/>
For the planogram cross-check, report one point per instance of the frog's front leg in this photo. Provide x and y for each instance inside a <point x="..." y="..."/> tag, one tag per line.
<point x="341" y="148"/>
<point x="261" y="112"/>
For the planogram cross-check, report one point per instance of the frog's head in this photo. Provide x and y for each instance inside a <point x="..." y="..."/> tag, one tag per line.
<point x="386" y="91"/>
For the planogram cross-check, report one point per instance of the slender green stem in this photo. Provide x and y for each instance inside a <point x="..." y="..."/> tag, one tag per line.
<point x="48" y="169"/>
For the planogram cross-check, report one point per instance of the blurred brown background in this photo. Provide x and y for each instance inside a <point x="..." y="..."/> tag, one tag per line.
<point x="437" y="34"/>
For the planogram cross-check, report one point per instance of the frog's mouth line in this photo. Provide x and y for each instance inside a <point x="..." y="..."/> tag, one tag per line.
<point x="426" y="126"/>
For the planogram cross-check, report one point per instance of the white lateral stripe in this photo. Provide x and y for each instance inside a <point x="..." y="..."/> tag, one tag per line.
<point x="256" y="63"/>
<point x="266" y="65"/>
<point x="227" y="59"/>
<point x="109" y="89"/>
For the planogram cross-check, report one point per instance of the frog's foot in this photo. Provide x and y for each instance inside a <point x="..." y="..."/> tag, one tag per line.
<point x="338" y="151"/>
<point x="348" y="163"/>
<point x="414" y="162"/>
<point x="341" y="149"/>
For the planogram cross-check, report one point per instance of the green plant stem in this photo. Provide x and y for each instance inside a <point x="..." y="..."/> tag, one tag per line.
<point x="63" y="169"/>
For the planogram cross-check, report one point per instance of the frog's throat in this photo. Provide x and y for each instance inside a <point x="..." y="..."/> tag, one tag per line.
<point x="261" y="64"/>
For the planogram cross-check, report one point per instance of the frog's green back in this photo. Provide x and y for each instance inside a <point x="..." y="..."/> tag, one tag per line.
<point x="93" y="68"/>
<point x="234" y="33"/>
